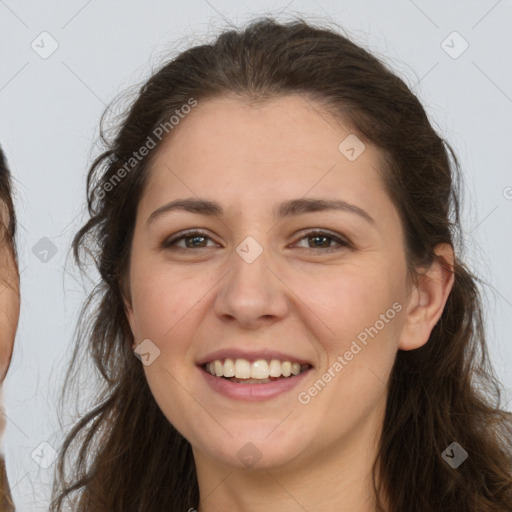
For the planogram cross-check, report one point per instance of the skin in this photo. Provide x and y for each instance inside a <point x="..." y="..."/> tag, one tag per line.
<point x="9" y="307"/>
<point x="295" y="297"/>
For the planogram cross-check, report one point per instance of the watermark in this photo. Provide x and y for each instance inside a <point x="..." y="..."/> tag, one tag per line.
<point x="44" y="249"/>
<point x="304" y="397"/>
<point x="146" y="352"/>
<point x="454" y="45"/>
<point x="454" y="455"/>
<point x="249" y="454"/>
<point x="151" y="141"/>
<point x="351" y="147"/>
<point x="44" y="455"/>
<point x="44" y="45"/>
<point x="507" y="193"/>
<point x="249" y="249"/>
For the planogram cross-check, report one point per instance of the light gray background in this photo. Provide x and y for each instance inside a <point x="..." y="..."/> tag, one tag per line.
<point x="50" y="110"/>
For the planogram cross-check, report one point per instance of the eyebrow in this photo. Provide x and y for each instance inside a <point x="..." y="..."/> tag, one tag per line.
<point x="288" y="208"/>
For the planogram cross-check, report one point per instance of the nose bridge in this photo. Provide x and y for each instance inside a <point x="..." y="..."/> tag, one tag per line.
<point x="250" y="290"/>
<point x="249" y="277"/>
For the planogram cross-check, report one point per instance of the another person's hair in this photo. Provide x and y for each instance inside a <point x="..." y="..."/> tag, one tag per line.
<point x="7" y="229"/>
<point x="129" y="457"/>
<point x="7" y="240"/>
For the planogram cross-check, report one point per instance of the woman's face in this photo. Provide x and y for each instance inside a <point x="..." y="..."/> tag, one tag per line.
<point x="9" y="297"/>
<point x="258" y="284"/>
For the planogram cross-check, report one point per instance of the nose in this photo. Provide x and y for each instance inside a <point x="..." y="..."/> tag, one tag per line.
<point x="252" y="294"/>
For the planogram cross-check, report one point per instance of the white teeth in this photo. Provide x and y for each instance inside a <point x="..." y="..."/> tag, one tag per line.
<point x="286" y="368"/>
<point x="242" y="369"/>
<point x="228" y="368"/>
<point x="259" y="370"/>
<point x="218" y="368"/>
<point x="275" y="368"/>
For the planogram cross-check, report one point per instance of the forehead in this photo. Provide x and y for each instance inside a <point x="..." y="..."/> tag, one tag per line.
<point x="288" y="146"/>
<point x="285" y="128"/>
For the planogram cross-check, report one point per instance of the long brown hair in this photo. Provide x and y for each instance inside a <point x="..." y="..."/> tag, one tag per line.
<point x="8" y="229"/>
<point x="445" y="391"/>
<point x="7" y="242"/>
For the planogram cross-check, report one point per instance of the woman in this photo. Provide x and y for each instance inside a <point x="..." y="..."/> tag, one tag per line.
<point x="9" y="303"/>
<point x="274" y="225"/>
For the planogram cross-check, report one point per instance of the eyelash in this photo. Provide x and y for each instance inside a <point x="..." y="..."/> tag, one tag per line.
<point x="168" y="243"/>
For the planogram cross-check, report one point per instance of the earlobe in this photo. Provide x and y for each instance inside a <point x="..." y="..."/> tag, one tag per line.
<point x="428" y="299"/>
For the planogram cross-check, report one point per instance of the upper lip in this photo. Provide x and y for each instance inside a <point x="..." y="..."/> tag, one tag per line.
<point x="252" y="355"/>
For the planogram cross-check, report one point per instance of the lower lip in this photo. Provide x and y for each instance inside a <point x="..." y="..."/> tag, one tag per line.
<point x="264" y="391"/>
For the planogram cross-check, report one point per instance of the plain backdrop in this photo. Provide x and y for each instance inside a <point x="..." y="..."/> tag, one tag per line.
<point x="455" y="55"/>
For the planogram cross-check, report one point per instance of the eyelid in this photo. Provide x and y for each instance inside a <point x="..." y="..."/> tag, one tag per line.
<point x="188" y="233"/>
<point x="342" y="241"/>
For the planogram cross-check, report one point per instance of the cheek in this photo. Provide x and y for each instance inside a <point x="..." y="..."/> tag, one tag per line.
<point x="163" y="311"/>
<point x="360" y="308"/>
<point x="163" y="302"/>
<point x="349" y="299"/>
<point x="9" y="313"/>
<point x="9" y="307"/>
<point x="156" y="296"/>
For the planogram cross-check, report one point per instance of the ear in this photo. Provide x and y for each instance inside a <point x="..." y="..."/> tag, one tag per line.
<point x="428" y="298"/>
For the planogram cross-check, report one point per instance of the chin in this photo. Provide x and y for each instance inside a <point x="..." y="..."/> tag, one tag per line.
<point x="252" y="446"/>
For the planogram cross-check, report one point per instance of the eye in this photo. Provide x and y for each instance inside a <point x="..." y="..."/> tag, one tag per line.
<point x="321" y="241"/>
<point x="197" y="240"/>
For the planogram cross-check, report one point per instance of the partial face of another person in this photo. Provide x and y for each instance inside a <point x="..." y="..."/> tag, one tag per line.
<point x="9" y="301"/>
<point x="267" y="279"/>
<point x="9" y="296"/>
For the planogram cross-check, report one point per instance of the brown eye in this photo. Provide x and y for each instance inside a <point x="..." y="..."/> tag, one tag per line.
<point x="317" y="241"/>
<point x="321" y="240"/>
<point x="193" y="240"/>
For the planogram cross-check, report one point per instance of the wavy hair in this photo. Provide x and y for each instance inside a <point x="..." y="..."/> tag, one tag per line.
<point x="442" y="392"/>
<point x="7" y="227"/>
<point x="8" y="241"/>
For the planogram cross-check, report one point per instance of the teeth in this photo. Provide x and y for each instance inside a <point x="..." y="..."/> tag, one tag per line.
<point x="242" y="369"/>
<point x="259" y="370"/>
<point x="295" y="368"/>
<point x="218" y="368"/>
<point x="275" y="368"/>
<point x="228" y="368"/>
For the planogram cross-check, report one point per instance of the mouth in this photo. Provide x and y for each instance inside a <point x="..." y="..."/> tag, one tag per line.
<point x="258" y="371"/>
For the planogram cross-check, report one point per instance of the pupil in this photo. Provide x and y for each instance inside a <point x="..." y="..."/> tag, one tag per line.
<point x="195" y="238"/>
<point x="316" y="238"/>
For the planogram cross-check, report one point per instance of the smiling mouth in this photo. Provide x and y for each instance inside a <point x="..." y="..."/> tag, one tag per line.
<point x="260" y="371"/>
